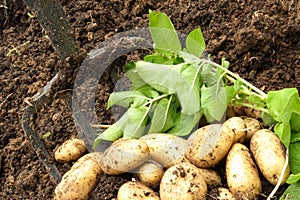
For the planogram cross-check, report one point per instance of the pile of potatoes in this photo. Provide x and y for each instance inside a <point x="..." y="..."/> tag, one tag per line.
<point x="181" y="168"/>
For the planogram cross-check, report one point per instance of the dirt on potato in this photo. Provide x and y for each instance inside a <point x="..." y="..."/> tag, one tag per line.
<point x="261" y="39"/>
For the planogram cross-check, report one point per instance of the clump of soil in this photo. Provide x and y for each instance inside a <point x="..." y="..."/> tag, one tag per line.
<point x="261" y="39"/>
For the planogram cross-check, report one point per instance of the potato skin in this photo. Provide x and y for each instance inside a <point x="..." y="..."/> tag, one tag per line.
<point x="80" y="180"/>
<point x="71" y="149"/>
<point x="225" y="194"/>
<point x="269" y="154"/>
<point x="136" y="191"/>
<point x="150" y="173"/>
<point x="211" y="177"/>
<point x="241" y="173"/>
<point x="208" y="145"/>
<point x="238" y="126"/>
<point x="252" y="126"/>
<point x="183" y="181"/>
<point x="123" y="156"/>
<point x="165" y="149"/>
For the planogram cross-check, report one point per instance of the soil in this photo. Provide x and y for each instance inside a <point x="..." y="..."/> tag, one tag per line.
<point x="261" y="39"/>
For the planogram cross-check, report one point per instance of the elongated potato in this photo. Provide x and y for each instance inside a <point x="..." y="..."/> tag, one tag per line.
<point x="80" y="180"/>
<point x="165" y="148"/>
<point x="211" y="177"/>
<point x="252" y="126"/>
<point x="71" y="149"/>
<point x="208" y="145"/>
<point x="133" y="190"/>
<point x="183" y="181"/>
<point x="241" y="173"/>
<point x="237" y="125"/>
<point x="123" y="156"/>
<point x="150" y="173"/>
<point x="269" y="154"/>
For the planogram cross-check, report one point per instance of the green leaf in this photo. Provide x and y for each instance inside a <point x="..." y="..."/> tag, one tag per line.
<point x="282" y="103"/>
<point x="213" y="102"/>
<point x="283" y="131"/>
<point x="195" y="43"/>
<point x="126" y="98"/>
<point x="114" y="132"/>
<point x="148" y="91"/>
<point x="292" y="192"/>
<point x="131" y="74"/>
<point x="159" y="115"/>
<point x="167" y="80"/>
<point x="295" y="137"/>
<point x="295" y="122"/>
<point x="154" y="58"/>
<point x="184" y="124"/>
<point x="294" y="158"/>
<point x="267" y="119"/>
<point x="136" y="124"/>
<point x="293" y="178"/>
<point x="163" y="32"/>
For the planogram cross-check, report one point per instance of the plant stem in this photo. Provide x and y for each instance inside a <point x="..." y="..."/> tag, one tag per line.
<point x="156" y="99"/>
<point x="237" y="77"/>
<point x="253" y="107"/>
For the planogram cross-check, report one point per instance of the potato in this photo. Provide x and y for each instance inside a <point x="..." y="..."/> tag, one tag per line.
<point x="80" y="180"/>
<point x="165" y="148"/>
<point x="136" y="191"/>
<point x="269" y="154"/>
<point x="71" y="149"/>
<point x="183" y="181"/>
<point x="123" y="156"/>
<point x="224" y="194"/>
<point x="150" y="173"/>
<point x="210" y="176"/>
<point x="237" y="125"/>
<point x="208" y="145"/>
<point x="241" y="173"/>
<point x="252" y="126"/>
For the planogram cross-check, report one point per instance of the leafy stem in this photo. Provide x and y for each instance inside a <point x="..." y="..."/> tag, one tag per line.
<point x="156" y="99"/>
<point x="235" y="77"/>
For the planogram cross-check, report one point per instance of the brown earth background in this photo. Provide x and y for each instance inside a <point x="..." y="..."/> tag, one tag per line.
<point x="261" y="39"/>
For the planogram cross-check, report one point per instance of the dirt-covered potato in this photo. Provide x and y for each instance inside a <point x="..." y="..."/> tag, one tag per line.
<point x="123" y="156"/>
<point x="224" y="194"/>
<point x="165" y="148"/>
<point x="208" y="145"/>
<point x="133" y="190"/>
<point x="238" y="126"/>
<point x="269" y="154"/>
<point x="150" y="173"/>
<point x="80" y="180"/>
<point x="183" y="181"/>
<point x="211" y="177"/>
<point x="241" y="173"/>
<point x="71" y="149"/>
<point x="252" y="126"/>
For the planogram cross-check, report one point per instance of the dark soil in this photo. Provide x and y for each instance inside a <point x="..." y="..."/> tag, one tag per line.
<point x="261" y="39"/>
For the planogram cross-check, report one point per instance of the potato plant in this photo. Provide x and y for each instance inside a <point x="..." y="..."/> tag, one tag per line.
<point x="175" y="87"/>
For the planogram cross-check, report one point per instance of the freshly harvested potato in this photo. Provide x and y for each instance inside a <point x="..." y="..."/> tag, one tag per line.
<point x="252" y="112"/>
<point x="183" y="181"/>
<point x="208" y="145"/>
<point x="165" y="148"/>
<point x="224" y="194"/>
<point x="71" y="149"/>
<point x="237" y="125"/>
<point x="252" y="126"/>
<point x="269" y="154"/>
<point x="80" y="180"/>
<point x="133" y="190"/>
<point x="241" y="173"/>
<point x="211" y="177"/>
<point x="150" y="173"/>
<point x="123" y="156"/>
